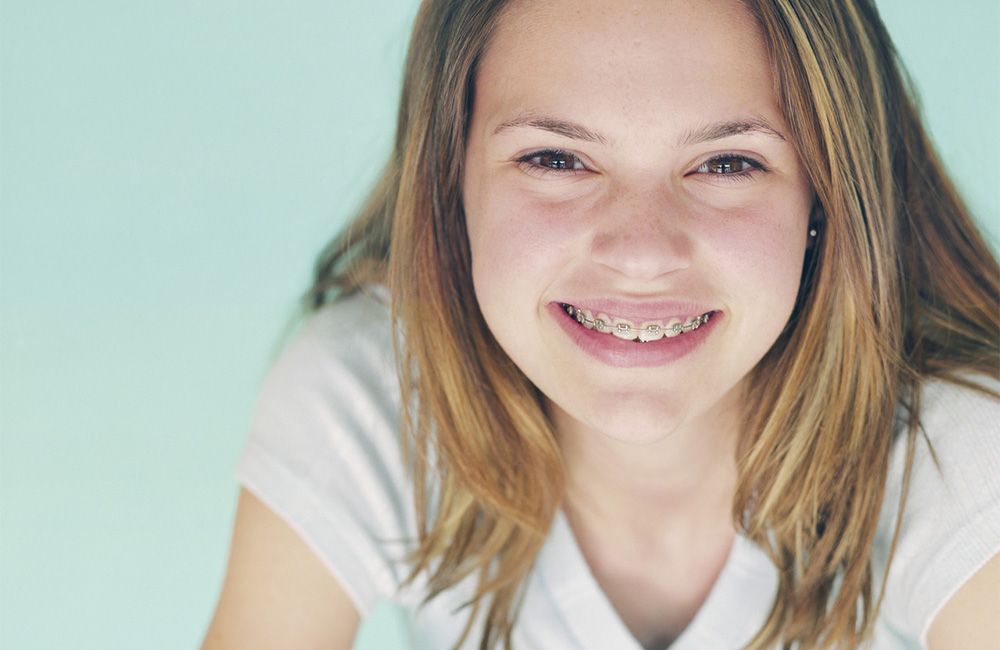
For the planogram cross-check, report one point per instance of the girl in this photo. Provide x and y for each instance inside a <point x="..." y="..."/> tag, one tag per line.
<point x="664" y="327"/>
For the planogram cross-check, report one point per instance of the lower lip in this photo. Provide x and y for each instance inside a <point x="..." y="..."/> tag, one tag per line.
<point x="613" y="351"/>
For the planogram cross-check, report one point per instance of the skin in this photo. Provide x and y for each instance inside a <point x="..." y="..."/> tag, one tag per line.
<point x="641" y="215"/>
<point x="969" y="619"/>
<point x="277" y="594"/>
<point x="639" y="222"/>
<point x="581" y="184"/>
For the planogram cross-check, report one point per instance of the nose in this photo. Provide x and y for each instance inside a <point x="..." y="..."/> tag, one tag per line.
<point x="642" y="235"/>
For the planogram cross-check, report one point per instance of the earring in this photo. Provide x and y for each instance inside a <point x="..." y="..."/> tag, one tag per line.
<point x="813" y="232"/>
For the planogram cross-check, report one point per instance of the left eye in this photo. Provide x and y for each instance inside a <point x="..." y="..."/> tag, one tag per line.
<point x="729" y="165"/>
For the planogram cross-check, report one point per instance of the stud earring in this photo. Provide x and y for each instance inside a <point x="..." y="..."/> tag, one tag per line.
<point x="813" y="232"/>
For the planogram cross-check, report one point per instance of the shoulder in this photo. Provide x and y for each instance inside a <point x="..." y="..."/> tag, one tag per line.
<point x="334" y="386"/>
<point x="324" y="451"/>
<point x="957" y="449"/>
<point x="342" y="359"/>
<point x="951" y="510"/>
<point x="953" y="412"/>
<point x="351" y="335"/>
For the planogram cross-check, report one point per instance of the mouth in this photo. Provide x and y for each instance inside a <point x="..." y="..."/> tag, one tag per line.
<point x="643" y="332"/>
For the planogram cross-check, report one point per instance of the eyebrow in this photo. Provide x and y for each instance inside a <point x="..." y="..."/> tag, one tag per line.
<point x="707" y="133"/>
<point x="552" y="125"/>
<point x="720" y="130"/>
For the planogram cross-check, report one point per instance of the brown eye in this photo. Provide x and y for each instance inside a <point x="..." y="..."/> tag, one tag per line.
<point x="729" y="165"/>
<point x="554" y="160"/>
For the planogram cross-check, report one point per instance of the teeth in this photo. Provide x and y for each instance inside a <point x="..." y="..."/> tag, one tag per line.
<point x="650" y="333"/>
<point x="626" y="330"/>
<point x="623" y="330"/>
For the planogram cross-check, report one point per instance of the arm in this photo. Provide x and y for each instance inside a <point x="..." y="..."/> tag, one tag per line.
<point x="277" y="594"/>
<point x="970" y="619"/>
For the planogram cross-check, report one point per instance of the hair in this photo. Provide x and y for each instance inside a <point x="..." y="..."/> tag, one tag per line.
<point x="900" y="287"/>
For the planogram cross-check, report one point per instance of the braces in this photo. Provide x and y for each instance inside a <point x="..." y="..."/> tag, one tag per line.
<point x="624" y="330"/>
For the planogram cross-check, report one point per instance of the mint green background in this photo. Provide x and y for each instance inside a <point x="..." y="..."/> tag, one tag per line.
<point x="168" y="172"/>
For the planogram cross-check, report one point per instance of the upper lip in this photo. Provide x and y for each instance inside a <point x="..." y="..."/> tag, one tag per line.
<point x="640" y="310"/>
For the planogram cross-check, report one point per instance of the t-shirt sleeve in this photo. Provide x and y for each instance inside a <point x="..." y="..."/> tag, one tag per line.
<point x="324" y="453"/>
<point x="951" y="522"/>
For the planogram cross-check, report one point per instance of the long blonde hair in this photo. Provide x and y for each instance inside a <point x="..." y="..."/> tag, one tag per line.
<point x="900" y="287"/>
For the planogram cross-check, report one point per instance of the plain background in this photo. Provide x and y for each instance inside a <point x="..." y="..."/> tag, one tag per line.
<point x="169" y="172"/>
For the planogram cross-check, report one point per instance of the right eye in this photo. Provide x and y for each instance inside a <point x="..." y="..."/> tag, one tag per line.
<point x="551" y="160"/>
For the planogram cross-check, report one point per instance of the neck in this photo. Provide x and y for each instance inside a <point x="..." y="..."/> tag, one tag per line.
<point x="653" y="521"/>
<point x="688" y="475"/>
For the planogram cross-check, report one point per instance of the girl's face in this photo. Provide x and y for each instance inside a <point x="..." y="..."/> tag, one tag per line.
<point x="628" y="165"/>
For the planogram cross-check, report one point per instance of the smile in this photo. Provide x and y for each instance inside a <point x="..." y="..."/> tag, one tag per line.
<point x="629" y="331"/>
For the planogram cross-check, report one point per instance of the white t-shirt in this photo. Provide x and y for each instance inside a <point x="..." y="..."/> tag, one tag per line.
<point x="324" y="454"/>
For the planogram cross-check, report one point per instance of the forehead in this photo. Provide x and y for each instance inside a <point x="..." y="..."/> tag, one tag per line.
<point x="640" y="60"/>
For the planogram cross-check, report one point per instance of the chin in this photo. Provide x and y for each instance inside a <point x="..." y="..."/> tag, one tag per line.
<point x="630" y="418"/>
<point x="641" y="431"/>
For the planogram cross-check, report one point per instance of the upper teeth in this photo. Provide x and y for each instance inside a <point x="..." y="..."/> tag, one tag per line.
<point x="624" y="329"/>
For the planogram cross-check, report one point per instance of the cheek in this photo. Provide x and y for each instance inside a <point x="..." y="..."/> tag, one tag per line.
<point x="762" y="250"/>
<point x="513" y="237"/>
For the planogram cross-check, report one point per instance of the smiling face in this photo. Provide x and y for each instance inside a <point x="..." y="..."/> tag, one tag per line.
<point x="629" y="176"/>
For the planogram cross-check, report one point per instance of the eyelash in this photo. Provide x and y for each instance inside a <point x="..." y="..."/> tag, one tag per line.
<point x="527" y="162"/>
